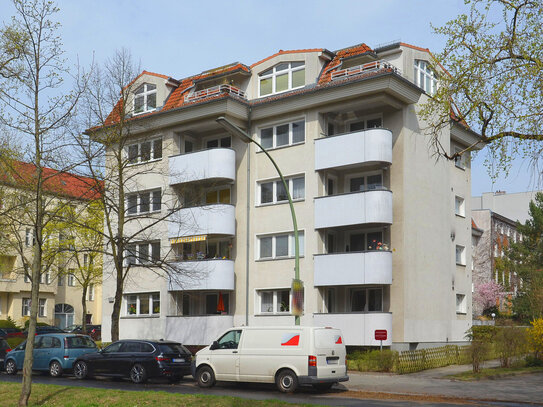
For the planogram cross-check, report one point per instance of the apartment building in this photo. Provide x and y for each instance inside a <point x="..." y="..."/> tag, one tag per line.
<point x="60" y="293"/>
<point x="384" y="236"/>
<point x="495" y="233"/>
<point x="514" y="205"/>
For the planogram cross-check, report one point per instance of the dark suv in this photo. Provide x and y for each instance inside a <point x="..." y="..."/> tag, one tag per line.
<point x="137" y="360"/>
<point x="94" y="331"/>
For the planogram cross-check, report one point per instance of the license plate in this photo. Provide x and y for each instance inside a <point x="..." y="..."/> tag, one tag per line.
<point x="332" y="361"/>
<point x="178" y="360"/>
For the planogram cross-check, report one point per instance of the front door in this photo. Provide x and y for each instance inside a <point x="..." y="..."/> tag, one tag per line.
<point x="225" y="358"/>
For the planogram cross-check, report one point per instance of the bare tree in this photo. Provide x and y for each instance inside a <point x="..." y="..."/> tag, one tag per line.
<point x="34" y="107"/>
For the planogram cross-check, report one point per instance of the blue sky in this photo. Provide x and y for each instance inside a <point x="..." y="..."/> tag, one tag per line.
<point x="182" y="38"/>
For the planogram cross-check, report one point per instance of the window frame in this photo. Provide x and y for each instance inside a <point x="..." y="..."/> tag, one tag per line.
<point x="421" y="66"/>
<point x="367" y="298"/>
<point x="275" y="73"/>
<point x="145" y="94"/>
<point x="459" y="206"/>
<point x="70" y="281"/>
<point x="365" y="175"/>
<point x="138" y="195"/>
<point x="275" y="181"/>
<point x="152" y="151"/>
<point x="461" y="308"/>
<point x="364" y="119"/>
<point x="460" y="162"/>
<point x="290" y="245"/>
<point x="460" y="261"/>
<point x="42" y="307"/>
<point x="152" y="298"/>
<point x="136" y="254"/>
<point x="25" y="307"/>
<point x="275" y="301"/>
<point x="274" y="127"/>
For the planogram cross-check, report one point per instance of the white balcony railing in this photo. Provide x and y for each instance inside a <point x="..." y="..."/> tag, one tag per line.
<point x="358" y="329"/>
<point x="364" y="68"/>
<point x="211" y="274"/>
<point x="197" y="330"/>
<point x="214" y="91"/>
<point x="354" y="208"/>
<point x="359" y="147"/>
<point x="214" y="164"/>
<point x="370" y="267"/>
<point x="217" y="219"/>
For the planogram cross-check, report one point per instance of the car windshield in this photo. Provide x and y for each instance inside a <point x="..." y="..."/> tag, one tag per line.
<point x="79" y="342"/>
<point x="172" y="348"/>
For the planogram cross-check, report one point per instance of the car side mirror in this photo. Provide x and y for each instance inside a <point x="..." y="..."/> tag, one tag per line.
<point x="214" y="345"/>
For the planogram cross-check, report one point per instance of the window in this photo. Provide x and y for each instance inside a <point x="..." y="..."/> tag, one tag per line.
<point x="143" y="253"/>
<point x="218" y="195"/>
<point x="41" y="307"/>
<point x="283" y="135"/>
<point x="274" y="191"/>
<point x="71" y="278"/>
<point x="362" y="241"/>
<point x="60" y="280"/>
<point x="358" y="125"/>
<point x="90" y="292"/>
<point x="144" y="202"/>
<point x="26" y="278"/>
<point x="460" y="255"/>
<point x="425" y="77"/>
<point x="145" y="151"/>
<point x="274" y="301"/>
<point x="365" y="182"/>
<point x="45" y="278"/>
<point x="366" y="300"/>
<point x="145" y="98"/>
<point x="279" y="246"/>
<point x="222" y="142"/>
<point x="26" y="307"/>
<point x="229" y="340"/>
<point x="459" y="208"/>
<point x="282" y="77"/>
<point x="142" y="304"/>
<point x="460" y="162"/>
<point x="29" y="238"/>
<point x="461" y="304"/>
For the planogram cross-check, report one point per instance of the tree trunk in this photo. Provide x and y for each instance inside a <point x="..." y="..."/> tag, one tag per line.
<point x="118" y="300"/>
<point x="84" y="308"/>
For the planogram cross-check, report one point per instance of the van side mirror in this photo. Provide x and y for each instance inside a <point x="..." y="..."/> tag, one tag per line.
<point x="214" y="345"/>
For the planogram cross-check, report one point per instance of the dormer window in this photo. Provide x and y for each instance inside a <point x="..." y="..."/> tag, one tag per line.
<point x="145" y="98"/>
<point x="425" y="77"/>
<point x="282" y="77"/>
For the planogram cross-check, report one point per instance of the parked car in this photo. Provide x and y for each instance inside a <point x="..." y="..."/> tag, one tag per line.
<point x="94" y="331"/>
<point x="286" y="356"/>
<point x="55" y="353"/>
<point x="45" y="329"/>
<point x="4" y="348"/>
<point x="137" y="360"/>
<point x="11" y="332"/>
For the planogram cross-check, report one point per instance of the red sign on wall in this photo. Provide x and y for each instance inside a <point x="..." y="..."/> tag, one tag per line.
<point x="380" y="334"/>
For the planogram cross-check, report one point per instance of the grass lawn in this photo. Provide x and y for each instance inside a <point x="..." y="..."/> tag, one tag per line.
<point x="494" y="373"/>
<point x="65" y="396"/>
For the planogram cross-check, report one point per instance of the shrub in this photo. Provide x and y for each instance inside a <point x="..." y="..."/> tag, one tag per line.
<point x="532" y="361"/>
<point x="7" y="323"/>
<point x="535" y="337"/>
<point x="14" y="341"/>
<point x="372" y="361"/>
<point x="509" y="342"/>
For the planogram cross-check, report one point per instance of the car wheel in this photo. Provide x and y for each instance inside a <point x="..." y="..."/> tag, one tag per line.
<point x="205" y="377"/>
<point x="81" y="370"/>
<point x="323" y="386"/>
<point x="286" y="381"/>
<point x="55" y="370"/>
<point x="11" y="367"/>
<point x="138" y="374"/>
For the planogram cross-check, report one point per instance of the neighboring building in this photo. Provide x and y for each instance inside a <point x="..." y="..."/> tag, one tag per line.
<point x="492" y="235"/>
<point x="514" y="206"/>
<point x="385" y="240"/>
<point x="60" y="295"/>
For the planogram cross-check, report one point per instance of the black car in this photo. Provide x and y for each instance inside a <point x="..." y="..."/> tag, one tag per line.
<point x="94" y="331"/>
<point x="4" y="349"/>
<point x="137" y="360"/>
<point x="10" y="333"/>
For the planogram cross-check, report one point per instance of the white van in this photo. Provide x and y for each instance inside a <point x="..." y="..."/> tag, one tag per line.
<point x="287" y="356"/>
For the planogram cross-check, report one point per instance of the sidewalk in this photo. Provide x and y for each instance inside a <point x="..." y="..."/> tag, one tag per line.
<point x="521" y="388"/>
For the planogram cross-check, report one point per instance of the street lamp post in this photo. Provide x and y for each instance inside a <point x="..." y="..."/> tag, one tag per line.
<point x="243" y="136"/>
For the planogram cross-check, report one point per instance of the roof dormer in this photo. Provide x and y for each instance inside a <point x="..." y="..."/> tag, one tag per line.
<point x="281" y="78"/>
<point x="148" y="92"/>
<point x="145" y="98"/>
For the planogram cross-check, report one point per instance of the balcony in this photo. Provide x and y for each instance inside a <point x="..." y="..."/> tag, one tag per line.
<point x="218" y="164"/>
<point x="360" y="147"/>
<point x="214" y="91"/>
<point x="365" y="68"/>
<point x="197" y="330"/>
<point x="217" y="219"/>
<point x="358" y="329"/>
<point x="354" y="208"/>
<point x="211" y="274"/>
<point x="357" y="268"/>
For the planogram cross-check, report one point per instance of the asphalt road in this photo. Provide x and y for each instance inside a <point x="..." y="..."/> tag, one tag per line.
<point x="243" y="390"/>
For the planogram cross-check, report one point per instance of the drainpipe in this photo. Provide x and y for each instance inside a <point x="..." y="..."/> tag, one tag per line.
<point x="248" y="236"/>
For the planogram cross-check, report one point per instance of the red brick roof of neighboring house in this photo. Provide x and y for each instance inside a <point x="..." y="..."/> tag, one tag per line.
<point x="21" y="174"/>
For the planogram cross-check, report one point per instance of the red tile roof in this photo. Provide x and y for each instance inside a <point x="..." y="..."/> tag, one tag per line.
<point x="21" y="174"/>
<point x="292" y="51"/>
<point x="340" y="55"/>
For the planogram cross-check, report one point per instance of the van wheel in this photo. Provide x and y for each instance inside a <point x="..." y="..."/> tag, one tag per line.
<point x="55" y="370"/>
<point x="11" y="367"/>
<point x="287" y="381"/>
<point x="205" y="377"/>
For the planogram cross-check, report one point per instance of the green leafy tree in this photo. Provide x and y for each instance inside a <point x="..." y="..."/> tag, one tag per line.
<point x="493" y="58"/>
<point x="525" y="257"/>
